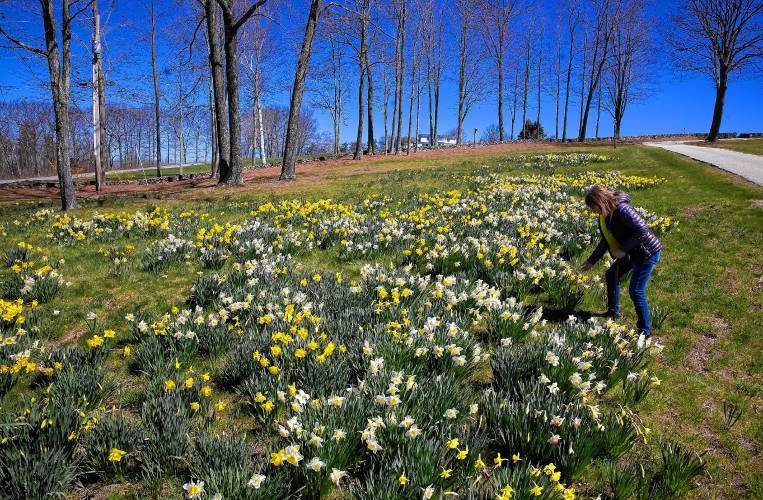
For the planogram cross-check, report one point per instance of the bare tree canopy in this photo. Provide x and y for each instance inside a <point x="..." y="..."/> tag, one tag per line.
<point x="214" y="81"/>
<point x="718" y="38"/>
<point x="59" y="70"/>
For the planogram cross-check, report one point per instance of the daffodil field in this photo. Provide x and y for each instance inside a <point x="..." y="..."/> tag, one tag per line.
<point x="441" y="358"/>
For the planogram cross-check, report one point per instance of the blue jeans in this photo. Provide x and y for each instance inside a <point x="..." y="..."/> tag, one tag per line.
<point x="637" y="288"/>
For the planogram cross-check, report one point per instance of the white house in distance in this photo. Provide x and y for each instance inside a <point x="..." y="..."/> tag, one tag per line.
<point x="441" y="141"/>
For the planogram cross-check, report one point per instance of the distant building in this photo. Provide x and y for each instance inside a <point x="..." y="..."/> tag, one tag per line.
<point x="441" y="141"/>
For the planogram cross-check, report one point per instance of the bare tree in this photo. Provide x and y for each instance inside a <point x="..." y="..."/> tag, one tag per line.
<point x="539" y="51"/>
<point x="573" y="17"/>
<point x="402" y="16"/>
<point x="470" y="77"/>
<point x="370" y="76"/>
<point x="604" y="16"/>
<point x="718" y="38"/>
<point x="288" y="168"/>
<point x="232" y="25"/>
<point x="362" y="14"/>
<point x="514" y="99"/>
<point x="59" y="71"/>
<point x="630" y="61"/>
<point x="419" y="87"/>
<point x="386" y="93"/>
<point x="331" y="86"/>
<point x="157" y="115"/>
<point x="583" y="73"/>
<point x="416" y="49"/>
<point x="433" y="27"/>
<point x="525" y="86"/>
<point x="495" y="27"/>
<point x="598" y="112"/>
<point x="399" y="14"/>
<point x="557" y="71"/>
<point x="214" y="52"/>
<point x="260" y="65"/>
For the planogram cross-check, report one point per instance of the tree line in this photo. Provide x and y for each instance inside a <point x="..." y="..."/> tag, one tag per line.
<point x="28" y="149"/>
<point x="216" y="77"/>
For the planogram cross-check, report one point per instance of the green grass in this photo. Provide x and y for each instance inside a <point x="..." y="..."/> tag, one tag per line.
<point x="752" y="146"/>
<point x="710" y="279"/>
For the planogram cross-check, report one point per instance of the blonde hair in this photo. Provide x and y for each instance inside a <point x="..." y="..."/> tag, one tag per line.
<point x="602" y="198"/>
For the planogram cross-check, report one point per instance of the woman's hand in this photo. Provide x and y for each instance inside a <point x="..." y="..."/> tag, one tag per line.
<point x="620" y="254"/>
<point x="586" y="266"/>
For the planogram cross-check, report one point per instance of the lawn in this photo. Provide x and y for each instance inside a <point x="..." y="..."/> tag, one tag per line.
<point x="752" y="146"/>
<point x="707" y="289"/>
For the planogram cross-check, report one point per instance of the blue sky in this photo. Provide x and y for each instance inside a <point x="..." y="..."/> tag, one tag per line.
<point x="676" y="104"/>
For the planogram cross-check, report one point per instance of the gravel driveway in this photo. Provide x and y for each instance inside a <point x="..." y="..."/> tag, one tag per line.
<point x="742" y="164"/>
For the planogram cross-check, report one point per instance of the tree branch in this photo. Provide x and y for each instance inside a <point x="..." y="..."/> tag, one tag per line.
<point x="193" y="39"/>
<point x="249" y="13"/>
<point x="18" y="44"/>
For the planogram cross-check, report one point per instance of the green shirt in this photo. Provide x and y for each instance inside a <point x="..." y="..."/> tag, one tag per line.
<point x="612" y="243"/>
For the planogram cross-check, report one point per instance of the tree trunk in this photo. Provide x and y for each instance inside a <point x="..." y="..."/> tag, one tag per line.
<point x="338" y="102"/>
<point x="216" y="72"/>
<point x="361" y="84"/>
<point x="567" y="86"/>
<point x="288" y="168"/>
<point x="213" y="124"/>
<point x="720" y="96"/>
<point x="413" y="96"/>
<point x="233" y="175"/>
<point x="181" y="134"/>
<point x="586" y="110"/>
<point x="558" y="70"/>
<point x="500" y="95"/>
<point x="397" y="84"/>
<point x="156" y="94"/>
<point x="436" y="108"/>
<point x="59" y="72"/>
<point x="522" y="130"/>
<point x="598" y="111"/>
<point x="370" y="103"/>
<point x="581" y="132"/>
<point x="384" y="110"/>
<point x="402" y="80"/>
<point x="362" y="58"/>
<point x="540" y="77"/>
<point x="430" y="99"/>
<point x="461" y="83"/>
<point x="418" y="111"/>
<point x="514" y="99"/>
<point x="263" y="156"/>
<point x="254" y="125"/>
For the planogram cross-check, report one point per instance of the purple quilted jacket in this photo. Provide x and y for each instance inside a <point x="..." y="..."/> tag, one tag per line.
<point x="630" y="231"/>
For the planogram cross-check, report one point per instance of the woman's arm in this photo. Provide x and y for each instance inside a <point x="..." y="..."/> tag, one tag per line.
<point x="598" y="252"/>
<point x="635" y="223"/>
